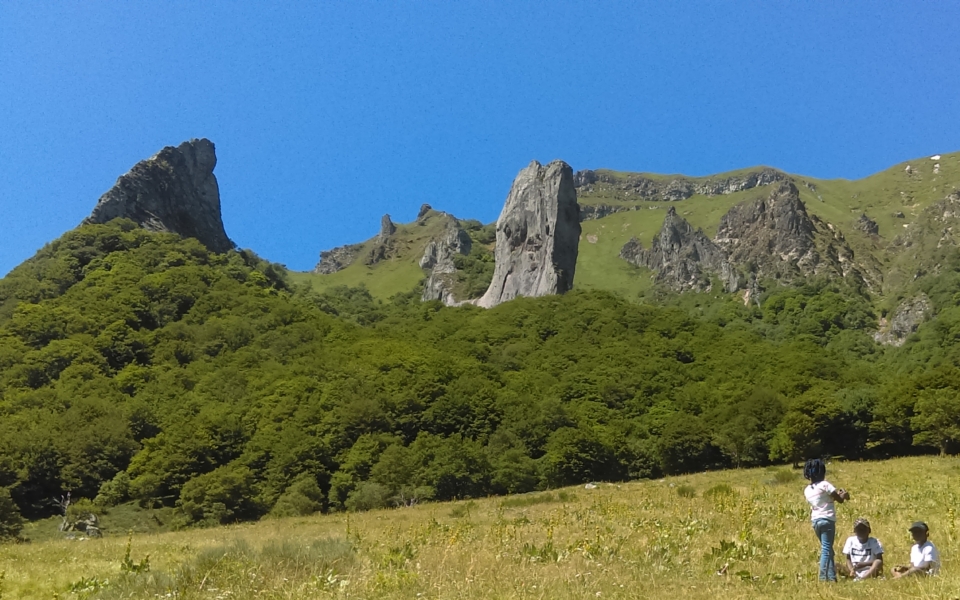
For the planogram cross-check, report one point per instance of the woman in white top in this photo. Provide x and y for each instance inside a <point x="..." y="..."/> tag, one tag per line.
<point x="821" y="495"/>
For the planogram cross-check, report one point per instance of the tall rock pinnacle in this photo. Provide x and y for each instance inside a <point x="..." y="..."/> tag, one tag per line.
<point x="538" y="234"/>
<point x="173" y="191"/>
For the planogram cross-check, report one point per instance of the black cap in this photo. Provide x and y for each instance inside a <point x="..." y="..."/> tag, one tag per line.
<point x="919" y="525"/>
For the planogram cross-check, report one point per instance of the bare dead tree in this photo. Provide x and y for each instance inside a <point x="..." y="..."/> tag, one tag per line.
<point x="63" y="504"/>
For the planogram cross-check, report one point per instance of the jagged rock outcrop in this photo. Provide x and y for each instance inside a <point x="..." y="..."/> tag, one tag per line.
<point x="337" y="259"/>
<point x="438" y="258"/>
<point x="387" y="228"/>
<point x="683" y="257"/>
<point x="589" y="212"/>
<point x="585" y="178"/>
<point x="384" y="245"/>
<point x="423" y="212"/>
<point x="906" y="318"/>
<point x="173" y="191"/>
<point x="678" y="188"/>
<point x="538" y="234"/>
<point x="867" y="225"/>
<point x="773" y="235"/>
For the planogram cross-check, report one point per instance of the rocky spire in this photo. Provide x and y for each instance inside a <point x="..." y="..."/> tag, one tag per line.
<point x="774" y="234"/>
<point x="538" y="233"/>
<point x="387" y="228"/>
<point x="438" y="258"/>
<point x="684" y="258"/>
<point x="173" y="191"/>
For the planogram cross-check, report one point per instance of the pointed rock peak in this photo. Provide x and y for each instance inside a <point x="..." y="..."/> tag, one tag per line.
<point x="538" y="234"/>
<point x="424" y="210"/>
<point x="684" y="258"/>
<point x="173" y="191"/>
<point x="386" y="226"/>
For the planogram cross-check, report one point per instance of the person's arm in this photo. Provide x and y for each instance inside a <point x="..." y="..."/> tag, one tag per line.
<point x="912" y="571"/>
<point x="840" y="495"/>
<point x="851" y="565"/>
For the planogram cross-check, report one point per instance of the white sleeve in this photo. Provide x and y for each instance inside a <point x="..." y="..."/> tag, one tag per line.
<point x="878" y="547"/>
<point x="848" y="546"/>
<point x="827" y="487"/>
<point x="929" y="555"/>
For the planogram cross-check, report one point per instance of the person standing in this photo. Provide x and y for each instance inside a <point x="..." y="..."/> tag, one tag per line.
<point x="822" y="495"/>
<point x="924" y="557"/>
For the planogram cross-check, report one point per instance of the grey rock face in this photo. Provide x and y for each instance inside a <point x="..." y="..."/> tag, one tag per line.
<point x="584" y="178"/>
<point x="867" y="225"/>
<point x="387" y="228"/>
<point x="173" y="191"/>
<point x="422" y="213"/>
<point x="538" y="233"/>
<point x="683" y="257"/>
<point x="337" y="259"/>
<point x="438" y="258"/>
<point x="681" y="188"/>
<point x="907" y="317"/>
<point x="589" y="212"/>
<point x="775" y="235"/>
<point x="384" y="244"/>
<point x="772" y="237"/>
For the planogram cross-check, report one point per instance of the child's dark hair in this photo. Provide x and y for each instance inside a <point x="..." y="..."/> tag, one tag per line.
<point x="815" y="470"/>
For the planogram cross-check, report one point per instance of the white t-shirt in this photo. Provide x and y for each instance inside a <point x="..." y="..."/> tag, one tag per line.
<point x="818" y="495"/>
<point x="862" y="552"/>
<point x="925" y="554"/>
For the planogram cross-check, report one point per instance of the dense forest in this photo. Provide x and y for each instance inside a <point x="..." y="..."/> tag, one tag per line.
<point x="137" y="366"/>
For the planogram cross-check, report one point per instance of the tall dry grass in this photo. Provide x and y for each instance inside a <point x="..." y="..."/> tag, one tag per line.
<point x="650" y="539"/>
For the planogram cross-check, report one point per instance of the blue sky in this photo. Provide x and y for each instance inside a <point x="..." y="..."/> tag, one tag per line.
<point x="327" y="115"/>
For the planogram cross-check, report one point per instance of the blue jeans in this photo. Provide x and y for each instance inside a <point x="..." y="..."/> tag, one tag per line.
<point x="826" y="531"/>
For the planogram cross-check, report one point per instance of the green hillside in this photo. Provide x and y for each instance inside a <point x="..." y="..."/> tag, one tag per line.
<point x="139" y="367"/>
<point x="838" y="201"/>
<point x="397" y="274"/>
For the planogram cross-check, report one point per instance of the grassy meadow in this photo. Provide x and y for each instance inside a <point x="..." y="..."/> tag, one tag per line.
<point x="642" y="539"/>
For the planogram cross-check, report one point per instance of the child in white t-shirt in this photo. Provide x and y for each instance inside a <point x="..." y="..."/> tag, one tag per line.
<point x="864" y="553"/>
<point x="924" y="557"/>
<point x="821" y="495"/>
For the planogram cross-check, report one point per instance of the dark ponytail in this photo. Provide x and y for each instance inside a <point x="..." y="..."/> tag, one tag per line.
<point x="815" y="470"/>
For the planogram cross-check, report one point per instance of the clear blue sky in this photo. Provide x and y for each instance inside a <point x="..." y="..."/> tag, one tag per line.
<point x="327" y="115"/>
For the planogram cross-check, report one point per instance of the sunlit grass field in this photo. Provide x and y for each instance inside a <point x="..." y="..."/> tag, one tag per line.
<point x="646" y="539"/>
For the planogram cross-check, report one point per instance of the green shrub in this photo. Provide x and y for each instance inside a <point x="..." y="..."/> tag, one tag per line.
<point x="222" y="496"/>
<point x="114" y="491"/>
<point x="303" y="497"/>
<point x="368" y="496"/>
<point x="686" y="491"/>
<point x="11" y="523"/>
<point x="720" y="490"/>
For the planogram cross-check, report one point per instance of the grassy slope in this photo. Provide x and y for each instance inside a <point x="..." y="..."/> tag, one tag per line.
<point x="838" y="201"/>
<point x="388" y="277"/>
<point x="638" y="539"/>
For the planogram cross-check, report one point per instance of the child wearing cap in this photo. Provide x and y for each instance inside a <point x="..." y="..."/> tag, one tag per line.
<point x="924" y="557"/>
<point x="864" y="553"/>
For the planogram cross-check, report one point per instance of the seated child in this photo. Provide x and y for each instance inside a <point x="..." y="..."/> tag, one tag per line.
<point x="864" y="553"/>
<point x="924" y="557"/>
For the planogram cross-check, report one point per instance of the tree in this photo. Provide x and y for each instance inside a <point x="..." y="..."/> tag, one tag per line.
<point x="937" y="420"/>
<point x="11" y="523"/>
<point x="576" y="455"/>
